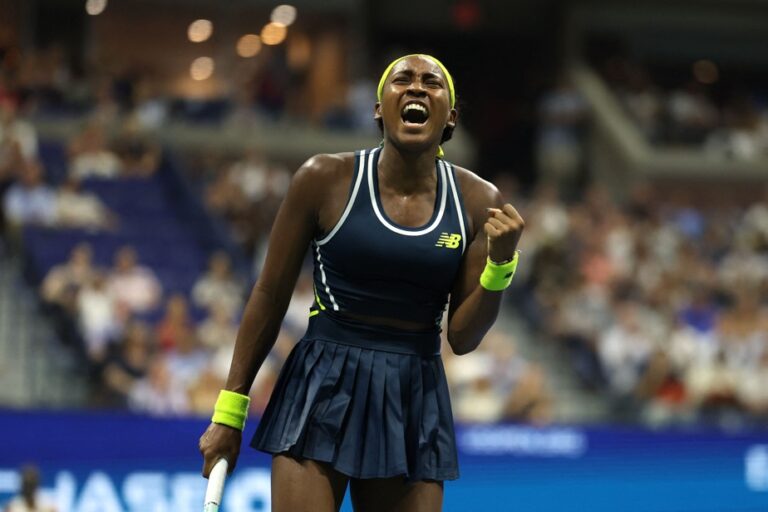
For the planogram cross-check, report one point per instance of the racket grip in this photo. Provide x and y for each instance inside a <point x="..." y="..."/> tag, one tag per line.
<point x="215" y="486"/>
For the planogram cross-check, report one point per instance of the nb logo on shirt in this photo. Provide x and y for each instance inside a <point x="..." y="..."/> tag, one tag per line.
<point x="448" y="240"/>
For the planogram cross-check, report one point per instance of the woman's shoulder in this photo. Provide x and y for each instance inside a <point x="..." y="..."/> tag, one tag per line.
<point x="322" y="180"/>
<point x="326" y="166"/>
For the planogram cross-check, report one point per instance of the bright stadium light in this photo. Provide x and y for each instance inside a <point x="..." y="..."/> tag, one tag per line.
<point x="273" y="33"/>
<point x="201" y="68"/>
<point x="200" y="30"/>
<point x="249" y="45"/>
<point x="283" y="14"/>
<point x="95" y="7"/>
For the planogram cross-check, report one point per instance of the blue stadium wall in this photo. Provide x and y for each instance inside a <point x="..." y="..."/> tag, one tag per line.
<point x="127" y="463"/>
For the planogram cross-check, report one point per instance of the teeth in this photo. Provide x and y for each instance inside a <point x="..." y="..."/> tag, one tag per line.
<point x="414" y="106"/>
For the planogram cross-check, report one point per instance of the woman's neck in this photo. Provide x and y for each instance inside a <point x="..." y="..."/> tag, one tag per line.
<point x="406" y="172"/>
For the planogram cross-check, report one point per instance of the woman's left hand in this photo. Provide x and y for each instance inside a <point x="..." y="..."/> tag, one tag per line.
<point x="503" y="228"/>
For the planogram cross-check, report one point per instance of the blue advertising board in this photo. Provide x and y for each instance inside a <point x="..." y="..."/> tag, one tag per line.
<point x="94" y="462"/>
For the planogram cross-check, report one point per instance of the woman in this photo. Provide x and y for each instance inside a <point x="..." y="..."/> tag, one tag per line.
<point x="395" y="231"/>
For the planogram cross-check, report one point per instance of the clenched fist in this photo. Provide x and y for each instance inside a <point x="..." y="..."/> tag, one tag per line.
<point x="503" y="228"/>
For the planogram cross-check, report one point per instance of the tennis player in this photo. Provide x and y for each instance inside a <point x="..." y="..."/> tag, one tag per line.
<point x="395" y="232"/>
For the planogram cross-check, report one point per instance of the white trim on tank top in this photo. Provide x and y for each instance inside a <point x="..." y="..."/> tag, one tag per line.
<point x="383" y="219"/>
<point x="325" y="280"/>
<point x="350" y="202"/>
<point x="460" y="212"/>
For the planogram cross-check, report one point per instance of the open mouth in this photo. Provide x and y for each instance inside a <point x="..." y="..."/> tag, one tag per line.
<point x="414" y="113"/>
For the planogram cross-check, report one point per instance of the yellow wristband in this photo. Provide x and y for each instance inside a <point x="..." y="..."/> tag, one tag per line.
<point x="496" y="277"/>
<point x="231" y="409"/>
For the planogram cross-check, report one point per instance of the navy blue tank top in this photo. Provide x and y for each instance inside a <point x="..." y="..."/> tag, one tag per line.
<point x="369" y="265"/>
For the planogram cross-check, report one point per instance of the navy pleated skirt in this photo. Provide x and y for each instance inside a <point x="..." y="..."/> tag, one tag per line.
<point x="372" y="402"/>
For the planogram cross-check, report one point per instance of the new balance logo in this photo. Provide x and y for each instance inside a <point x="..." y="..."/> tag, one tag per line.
<point x="448" y="240"/>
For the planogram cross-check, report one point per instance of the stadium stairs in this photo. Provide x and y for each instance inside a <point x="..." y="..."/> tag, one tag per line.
<point x="572" y="404"/>
<point x="36" y="370"/>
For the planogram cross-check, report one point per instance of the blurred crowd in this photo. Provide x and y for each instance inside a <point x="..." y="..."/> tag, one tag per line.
<point x="272" y="90"/>
<point x="34" y="195"/>
<point x="162" y="353"/>
<point x="244" y="191"/>
<point x="720" y="118"/>
<point x="662" y="305"/>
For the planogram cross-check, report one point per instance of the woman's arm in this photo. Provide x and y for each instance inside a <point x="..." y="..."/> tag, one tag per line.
<point x="496" y="230"/>
<point x="292" y="231"/>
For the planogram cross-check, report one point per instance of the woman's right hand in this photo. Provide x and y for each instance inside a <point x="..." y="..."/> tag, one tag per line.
<point x="217" y="442"/>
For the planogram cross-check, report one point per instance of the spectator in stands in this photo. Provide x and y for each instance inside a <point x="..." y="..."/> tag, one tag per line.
<point x="90" y="157"/>
<point x="563" y="114"/>
<point x="150" y="110"/>
<point x="743" y="328"/>
<point x="106" y="110"/>
<point x="75" y="273"/>
<point x="692" y="113"/>
<point x="157" y="394"/>
<point x="78" y="209"/>
<point x="752" y="389"/>
<point x="712" y="389"/>
<point x="186" y="361"/>
<point x="219" y="329"/>
<point x="127" y="364"/>
<point x="11" y="164"/>
<point x="98" y="316"/>
<point x="663" y="390"/>
<point x="744" y="135"/>
<point x="583" y="311"/>
<point x="60" y="293"/>
<point x="140" y="157"/>
<point x="218" y="286"/>
<point x="549" y="217"/>
<point x="176" y="325"/>
<point x="742" y="264"/>
<point x="15" y="131"/>
<point x="529" y="399"/>
<point x="133" y="285"/>
<point x="30" y="201"/>
<point x="225" y="197"/>
<point x="204" y="392"/>
<point x="520" y="384"/>
<point x="754" y="229"/>
<point x="475" y="399"/>
<point x="250" y="175"/>
<point x="495" y="383"/>
<point x="700" y="313"/>
<point x="29" y="498"/>
<point x="625" y="350"/>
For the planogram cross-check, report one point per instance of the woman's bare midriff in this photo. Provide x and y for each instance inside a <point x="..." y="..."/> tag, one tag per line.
<point x="389" y="322"/>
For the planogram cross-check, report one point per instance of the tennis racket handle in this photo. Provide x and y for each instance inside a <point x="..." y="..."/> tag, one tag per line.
<point x="215" y="486"/>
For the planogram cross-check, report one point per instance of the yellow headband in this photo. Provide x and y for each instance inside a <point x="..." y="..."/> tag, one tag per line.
<point x="447" y="75"/>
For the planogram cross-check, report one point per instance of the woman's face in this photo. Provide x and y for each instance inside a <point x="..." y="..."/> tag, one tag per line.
<point x="415" y="104"/>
